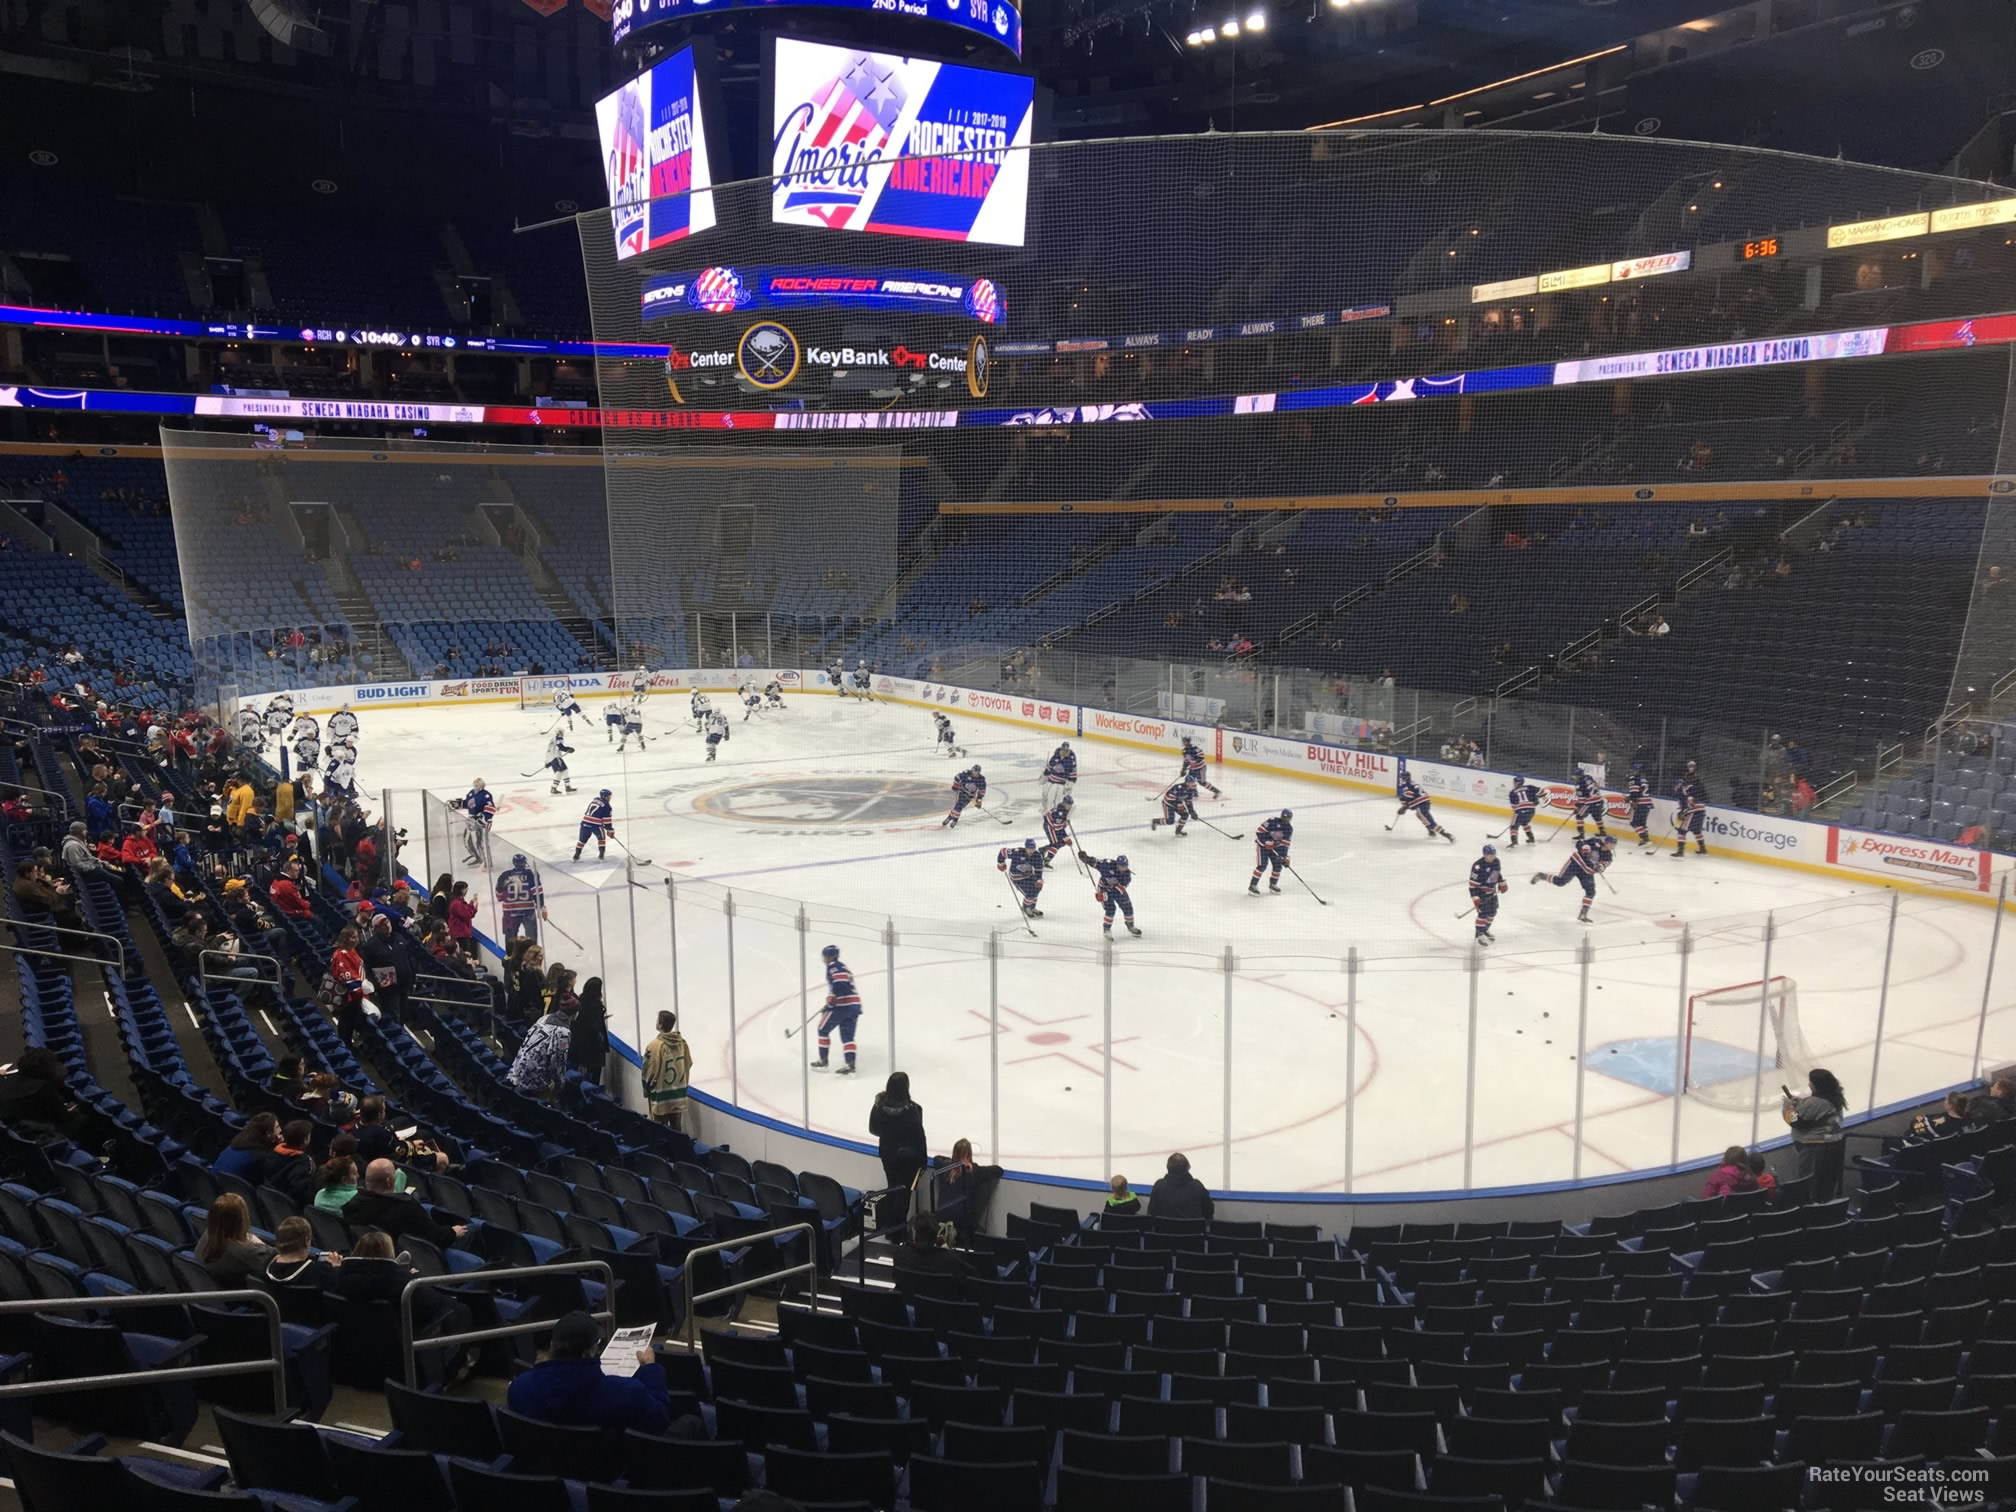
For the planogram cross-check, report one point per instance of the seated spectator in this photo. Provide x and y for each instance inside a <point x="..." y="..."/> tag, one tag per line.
<point x="286" y="892"/>
<point x="286" y="1080"/>
<point x="1179" y="1194"/>
<point x="35" y="1098"/>
<point x="78" y="856"/>
<point x="1760" y="1172"/>
<point x="337" y="1180"/>
<point x="382" y="1206"/>
<point x="138" y="852"/>
<point x="250" y="1155"/>
<point x="568" y="1386"/>
<point x="227" y="1249"/>
<point x="1733" y="1175"/>
<point x="38" y="895"/>
<point x="1121" y="1201"/>
<point x="161" y="889"/>
<point x="294" y="1168"/>
<point x="293" y="1261"/>
<point x="922" y="1255"/>
<point x="373" y="1272"/>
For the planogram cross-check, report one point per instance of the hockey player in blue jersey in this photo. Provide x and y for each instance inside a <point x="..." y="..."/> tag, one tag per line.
<point x="520" y="899"/>
<point x="1408" y="791"/>
<point x="1639" y="793"/>
<point x="1590" y="856"/>
<point x="947" y="741"/>
<point x="1590" y="804"/>
<point x="1690" y="817"/>
<point x="1062" y="767"/>
<point x="1487" y="881"/>
<point x="633" y="724"/>
<point x="598" y="823"/>
<point x="1179" y="805"/>
<point x="566" y="705"/>
<point x="479" y="812"/>
<point x="1193" y="767"/>
<point x="1024" y="867"/>
<point x="557" y="752"/>
<point x="1270" y="848"/>
<point x="1524" y="797"/>
<point x="1111" y="880"/>
<point x="612" y="720"/>
<point x="968" y="787"/>
<point x="841" y="1014"/>
<point x="717" y="731"/>
<point x="1057" y="829"/>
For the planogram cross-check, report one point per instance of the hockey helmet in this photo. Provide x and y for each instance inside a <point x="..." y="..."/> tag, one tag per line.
<point x="830" y="953"/>
<point x="1066" y="801"/>
<point x="1518" y="782"/>
<point x="1119" y="860"/>
<point x="1490" y="850"/>
<point x="518" y="859"/>
<point x="476" y="782"/>
<point x="1064" y="745"/>
<point x="974" y="768"/>
<point x="603" y="794"/>
<point x="1029" y="845"/>
<point x="1287" y="813"/>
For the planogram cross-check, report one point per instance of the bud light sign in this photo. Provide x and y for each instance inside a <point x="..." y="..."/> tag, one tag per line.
<point x="654" y="155"/>
<point x="875" y="142"/>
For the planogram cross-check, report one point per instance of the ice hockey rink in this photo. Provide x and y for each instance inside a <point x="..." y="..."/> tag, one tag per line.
<point x="819" y="824"/>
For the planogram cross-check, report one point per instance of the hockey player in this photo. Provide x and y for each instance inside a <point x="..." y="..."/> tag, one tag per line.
<point x="752" y="701"/>
<point x="837" y="675"/>
<point x="1639" y="793"/>
<point x="1590" y="856"/>
<point x="698" y="710"/>
<point x="1487" y="881"/>
<point x="1024" y="867"/>
<point x="479" y="812"/>
<point x="307" y="753"/>
<point x="1111" y="879"/>
<point x="842" y="1012"/>
<point x="1524" y="797"/>
<point x="343" y="723"/>
<point x="1193" y="767"/>
<point x="633" y="723"/>
<point x="1270" y="848"/>
<point x="520" y="899"/>
<point x="967" y="787"/>
<point x="717" y="731"/>
<point x="612" y="721"/>
<point x="862" y="677"/>
<point x="1062" y="768"/>
<point x="1056" y="830"/>
<point x="773" y="694"/>
<point x="566" y="705"/>
<point x="598" y="823"/>
<point x="947" y="742"/>
<point x="1590" y="805"/>
<point x="339" y="779"/>
<point x="640" y="683"/>
<point x="557" y="751"/>
<point x="1691" y="815"/>
<point x="1179" y="805"/>
<point x="1411" y="797"/>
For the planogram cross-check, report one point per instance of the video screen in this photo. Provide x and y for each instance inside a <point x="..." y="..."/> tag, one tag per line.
<point x="654" y="155"/>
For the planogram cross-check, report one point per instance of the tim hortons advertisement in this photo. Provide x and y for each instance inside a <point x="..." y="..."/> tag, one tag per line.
<point x="1902" y="858"/>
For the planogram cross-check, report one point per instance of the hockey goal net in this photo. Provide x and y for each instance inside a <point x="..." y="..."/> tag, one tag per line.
<point x="536" y="693"/>
<point x="1720" y="1065"/>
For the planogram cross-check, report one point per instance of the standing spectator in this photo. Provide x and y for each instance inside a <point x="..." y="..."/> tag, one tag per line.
<point x="541" y="1063"/>
<point x="389" y="972"/>
<point x="461" y="920"/>
<point x="1815" y="1120"/>
<point x="239" y="802"/>
<point x="525" y="981"/>
<point x="1179" y="1194"/>
<point x="568" y="1386"/>
<point x="346" y="972"/>
<point x="898" y="1126"/>
<point x="588" y="1046"/>
<point x="668" y="1063"/>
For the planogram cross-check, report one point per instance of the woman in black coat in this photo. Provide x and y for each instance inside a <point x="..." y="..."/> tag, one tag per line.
<point x="588" y="1051"/>
<point x="898" y="1126"/>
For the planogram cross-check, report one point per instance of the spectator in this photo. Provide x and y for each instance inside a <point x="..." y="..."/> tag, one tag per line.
<point x="898" y="1126"/>
<point x="163" y="892"/>
<point x="1760" y="1172"/>
<point x="227" y="1249"/>
<point x="541" y="1063"/>
<point x="238" y="803"/>
<point x="286" y="892"/>
<point x="346" y="977"/>
<point x="525" y="983"/>
<point x="668" y="1062"/>
<point x="250" y="1155"/>
<point x="1733" y="1175"/>
<point x="36" y="894"/>
<point x="337" y="1183"/>
<point x="388" y="969"/>
<point x="381" y="1206"/>
<point x="922" y="1255"/>
<point x="1815" y="1120"/>
<point x="1121" y="1201"/>
<point x="588" y="1047"/>
<point x="967" y="1188"/>
<point x="293" y="1261"/>
<point x="35" y="1098"/>
<point x="461" y="920"/>
<point x="372" y="1272"/>
<point x="77" y="854"/>
<point x="569" y="1387"/>
<point x="1179" y="1194"/>
<point x="138" y="852"/>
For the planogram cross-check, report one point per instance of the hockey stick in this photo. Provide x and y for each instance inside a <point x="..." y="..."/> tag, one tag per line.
<point x="640" y="860"/>
<point x="1020" y="912"/>
<point x="1396" y="818"/>
<point x="997" y="818"/>
<point x="789" y="1033"/>
<point x="1076" y="858"/>
<point x="1467" y="912"/>
<point x="1214" y="828"/>
<point x="561" y="932"/>
<point x="1312" y="891"/>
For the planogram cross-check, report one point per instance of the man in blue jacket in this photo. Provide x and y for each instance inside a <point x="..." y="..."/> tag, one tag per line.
<point x="568" y="1386"/>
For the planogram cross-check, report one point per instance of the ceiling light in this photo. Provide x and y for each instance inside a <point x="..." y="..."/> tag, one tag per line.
<point x="1229" y="29"/>
<point x="1257" y="21"/>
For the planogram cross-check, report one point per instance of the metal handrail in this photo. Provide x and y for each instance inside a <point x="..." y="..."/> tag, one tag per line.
<point x="410" y="1347"/>
<point x="62" y="798"/>
<point x="94" y="934"/>
<point x="736" y="1288"/>
<point x="205" y="974"/>
<point x="277" y="1365"/>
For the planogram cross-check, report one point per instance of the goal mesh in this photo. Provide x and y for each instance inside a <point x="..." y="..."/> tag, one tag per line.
<point x="1721" y="1064"/>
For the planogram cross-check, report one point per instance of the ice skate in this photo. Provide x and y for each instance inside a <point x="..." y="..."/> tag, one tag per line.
<point x="1132" y="928"/>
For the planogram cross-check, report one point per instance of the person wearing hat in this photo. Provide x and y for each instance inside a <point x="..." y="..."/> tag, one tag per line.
<point x="387" y="968"/>
<point x="256" y="929"/>
<point x="77" y="853"/>
<point x="569" y="1386"/>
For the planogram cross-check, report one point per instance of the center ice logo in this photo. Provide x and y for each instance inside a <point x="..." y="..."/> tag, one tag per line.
<point x="849" y="802"/>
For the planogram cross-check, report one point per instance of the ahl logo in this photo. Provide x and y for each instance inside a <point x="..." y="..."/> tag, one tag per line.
<point x="767" y="356"/>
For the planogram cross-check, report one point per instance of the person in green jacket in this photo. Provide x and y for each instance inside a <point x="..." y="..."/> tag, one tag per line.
<point x="668" y="1062"/>
<point x="1122" y="1203"/>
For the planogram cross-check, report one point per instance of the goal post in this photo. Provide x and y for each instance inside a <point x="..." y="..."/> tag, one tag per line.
<point x="1719" y="1063"/>
<point x="536" y="693"/>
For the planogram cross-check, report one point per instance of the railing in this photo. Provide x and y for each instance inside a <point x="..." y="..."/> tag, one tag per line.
<point x="736" y="1288"/>
<point x="275" y="1366"/>
<point x="114" y="941"/>
<point x="410" y="1347"/>
<point x="207" y="975"/>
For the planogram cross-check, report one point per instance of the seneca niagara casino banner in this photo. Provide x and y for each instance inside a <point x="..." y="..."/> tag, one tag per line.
<point x="875" y="142"/>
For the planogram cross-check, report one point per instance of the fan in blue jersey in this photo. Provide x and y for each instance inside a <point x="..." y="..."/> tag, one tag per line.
<point x="1179" y="805"/>
<point x="1690" y="816"/>
<point x="1638" y="792"/>
<point x="1590" y="804"/>
<point x="479" y="812"/>
<point x="1193" y="767"/>
<point x="598" y="823"/>
<point x="968" y="787"/>
<point x="1062" y="767"/>
<point x="1111" y="879"/>
<point x="717" y="731"/>
<point x="1024" y="866"/>
<point x="1270" y="848"/>
<point x="1487" y="881"/>
<point x="612" y="721"/>
<point x="1057" y="829"/>
<point x="1413" y="800"/>
<point x="1590" y="856"/>
<point x="947" y="741"/>
<point x="1524" y="797"/>
<point x="842" y="1013"/>
<point x="520" y="899"/>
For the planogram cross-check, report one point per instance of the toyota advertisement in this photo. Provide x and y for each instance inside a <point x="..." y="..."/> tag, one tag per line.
<point x="874" y="142"/>
<point x="654" y="156"/>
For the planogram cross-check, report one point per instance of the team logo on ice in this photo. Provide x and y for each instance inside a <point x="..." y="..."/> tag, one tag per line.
<point x="859" y="802"/>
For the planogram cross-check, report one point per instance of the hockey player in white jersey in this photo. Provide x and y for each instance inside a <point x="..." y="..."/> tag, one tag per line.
<point x="948" y="743"/>
<point x="717" y="731"/>
<point x="640" y="683"/>
<point x="773" y="694"/>
<point x="612" y="720"/>
<point x="633" y="724"/>
<point x="837" y="675"/>
<point x="752" y="701"/>
<point x="343" y="724"/>
<point x="557" y="751"/>
<point x="699" y="709"/>
<point x="566" y="705"/>
<point x="862" y="677"/>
